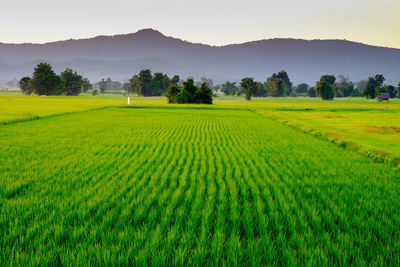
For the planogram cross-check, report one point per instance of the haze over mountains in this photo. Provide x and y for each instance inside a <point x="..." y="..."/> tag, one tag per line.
<point x="121" y="56"/>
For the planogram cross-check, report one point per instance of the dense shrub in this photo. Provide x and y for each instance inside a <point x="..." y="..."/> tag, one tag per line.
<point x="189" y="93"/>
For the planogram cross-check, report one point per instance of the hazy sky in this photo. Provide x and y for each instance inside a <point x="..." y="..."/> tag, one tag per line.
<point x="214" y="22"/>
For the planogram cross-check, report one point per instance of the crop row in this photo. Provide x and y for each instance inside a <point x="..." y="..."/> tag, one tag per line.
<point x="181" y="186"/>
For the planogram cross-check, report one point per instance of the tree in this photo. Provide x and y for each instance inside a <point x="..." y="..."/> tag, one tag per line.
<point x="172" y="92"/>
<point x="209" y="82"/>
<point x="26" y="85"/>
<point x="285" y="77"/>
<point x="261" y="91"/>
<point x="216" y="89"/>
<point x="386" y="89"/>
<point x="160" y="84"/>
<point x="249" y="87"/>
<point x="361" y="86"/>
<point x="73" y="82"/>
<point x="45" y="81"/>
<point x="343" y="87"/>
<point x="229" y="88"/>
<point x="302" y="88"/>
<point x="398" y="89"/>
<point x="372" y="84"/>
<point x="102" y="86"/>
<point x="86" y="85"/>
<point x="204" y="94"/>
<point x="276" y="87"/>
<point x="329" y="79"/>
<point x="325" y="90"/>
<point x="190" y="88"/>
<point x="311" y="92"/>
<point x="175" y="79"/>
<point x="144" y="83"/>
<point x="130" y="86"/>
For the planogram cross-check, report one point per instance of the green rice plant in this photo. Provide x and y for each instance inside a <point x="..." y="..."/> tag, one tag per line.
<point x="190" y="186"/>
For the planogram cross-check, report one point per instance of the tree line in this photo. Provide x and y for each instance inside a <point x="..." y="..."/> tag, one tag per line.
<point x="45" y="81"/>
<point x="328" y="87"/>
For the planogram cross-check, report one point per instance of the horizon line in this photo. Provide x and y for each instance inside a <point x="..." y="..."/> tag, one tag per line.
<point x="198" y="43"/>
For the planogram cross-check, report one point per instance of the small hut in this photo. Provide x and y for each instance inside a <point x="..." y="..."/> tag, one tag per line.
<point x="383" y="96"/>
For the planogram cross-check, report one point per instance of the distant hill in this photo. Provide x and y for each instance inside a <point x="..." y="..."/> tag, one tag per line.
<point x="121" y="56"/>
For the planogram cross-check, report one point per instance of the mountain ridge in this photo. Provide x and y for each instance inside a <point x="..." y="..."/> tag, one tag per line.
<point x="305" y="60"/>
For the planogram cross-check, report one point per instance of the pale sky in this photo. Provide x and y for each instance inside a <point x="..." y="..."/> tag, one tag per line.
<point x="215" y="22"/>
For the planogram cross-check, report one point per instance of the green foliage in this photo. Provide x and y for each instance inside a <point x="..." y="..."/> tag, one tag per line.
<point x="72" y="82"/>
<point x="86" y="85"/>
<point x="183" y="97"/>
<point x="329" y="79"/>
<point x="95" y="92"/>
<point x="325" y="90"/>
<point x="344" y="88"/>
<point x="144" y="83"/>
<point x="285" y="77"/>
<point x="249" y="87"/>
<point x="190" y="93"/>
<point x="312" y="92"/>
<point x="190" y="88"/>
<point x="261" y="91"/>
<point x="175" y="79"/>
<point x="172" y="92"/>
<point x="204" y="94"/>
<point x="276" y="87"/>
<point x="302" y="88"/>
<point x="386" y="89"/>
<point x="229" y="88"/>
<point x="372" y="84"/>
<point x="176" y="186"/>
<point x="26" y="85"/>
<point x="398" y="90"/>
<point x="45" y="82"/>
<point x="102" y="86"/>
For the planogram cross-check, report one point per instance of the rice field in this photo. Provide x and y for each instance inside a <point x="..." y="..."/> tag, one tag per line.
<point x="190" y="186"/>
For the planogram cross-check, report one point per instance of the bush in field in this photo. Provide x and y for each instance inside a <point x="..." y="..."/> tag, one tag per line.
<point x="190" y="88"/>
<point x="249" y="87"/>
<point x="26" y="85"/>
<point x="189" y="93"/>
<point x="45" y="81"/>
<point x="183" y="97"/>
<point x="204" y="94"/>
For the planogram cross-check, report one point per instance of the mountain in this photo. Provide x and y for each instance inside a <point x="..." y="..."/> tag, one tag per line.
<point x="121" y="56"/>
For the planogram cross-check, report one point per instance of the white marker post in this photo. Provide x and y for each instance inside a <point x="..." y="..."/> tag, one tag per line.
<point x="129" y="100"/>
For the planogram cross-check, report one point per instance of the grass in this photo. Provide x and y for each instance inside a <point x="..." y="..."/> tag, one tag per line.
<point x="197" y="185"/>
